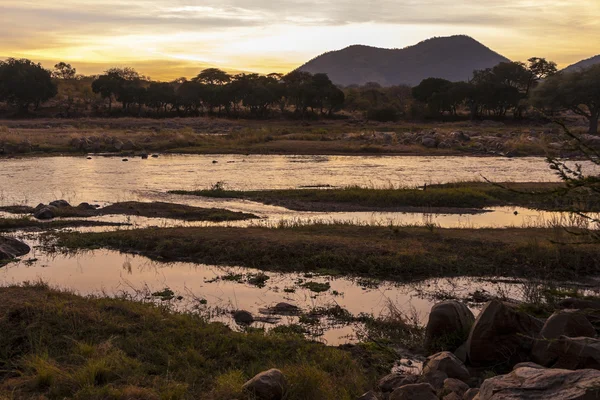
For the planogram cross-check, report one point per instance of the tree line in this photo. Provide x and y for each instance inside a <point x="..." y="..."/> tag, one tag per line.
<point x="509" y="88"/>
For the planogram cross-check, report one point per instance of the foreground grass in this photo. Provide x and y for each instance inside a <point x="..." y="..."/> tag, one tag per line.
<point x="447" y="198"/>
<point x="57" y="345"/>
<point x="397" y="253"/>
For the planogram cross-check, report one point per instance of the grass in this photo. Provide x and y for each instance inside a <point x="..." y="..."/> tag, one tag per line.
<point x="446" y="198"/>
<point x="151" y="210"/>
<point x="9" y="224"/>
<point x="57" y="345"/>
<point x="396" y="253"/>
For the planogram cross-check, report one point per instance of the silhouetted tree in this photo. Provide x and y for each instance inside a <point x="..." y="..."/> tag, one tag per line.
<point x="24" y="83"/>
<point x="577" y="91"/>
<point x="64" y="71"/>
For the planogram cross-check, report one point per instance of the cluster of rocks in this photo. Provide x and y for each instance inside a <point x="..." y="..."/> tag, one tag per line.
<point x="12" y="248"/>
<point x="558" y="358"/>
<point x="52" y="210"/>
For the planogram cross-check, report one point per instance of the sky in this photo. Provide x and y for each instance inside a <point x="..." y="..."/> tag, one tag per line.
<point x="169" y="39"/>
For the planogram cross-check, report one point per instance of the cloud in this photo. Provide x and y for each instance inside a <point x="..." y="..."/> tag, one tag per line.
<point x="266" y="35"/>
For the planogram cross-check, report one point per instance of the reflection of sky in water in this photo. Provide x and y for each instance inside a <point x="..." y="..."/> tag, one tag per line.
<point x="110" y="272"/>
<point x="108" y="179"/>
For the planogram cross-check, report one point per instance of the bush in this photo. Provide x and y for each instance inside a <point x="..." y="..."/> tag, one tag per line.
<point x="383" y="114"/>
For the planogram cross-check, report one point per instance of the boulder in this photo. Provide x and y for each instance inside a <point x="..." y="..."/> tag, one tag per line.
<point x="268" y="385"/>
<point x="46" y="212"/>
<point x="452" y="396"/>
<point x="434" y="377"/>
<point x="429" y="142"/>
<point x="572" y="323"/>
<point x="393" y="381"/>
<point x="534" y="383"/>
<point x="575" y="353"/>
<point x="447" y="363"/>
<point x="501" y="334"/>
<point x="12" y="248"/>
<point x="528" y="364"/>
<point x="417" y="391"/>
<point x="449" y="324"/>
<point x="243" y="317"/>
<point x="60" y="203"/>
<point x="460" y="136"/>
<point x="452" y="385"/>
<point x="471" y="394"/>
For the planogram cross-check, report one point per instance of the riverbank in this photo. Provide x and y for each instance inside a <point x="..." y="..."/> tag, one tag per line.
<point x="392" y="253"/>
<point x="130" y="136"/>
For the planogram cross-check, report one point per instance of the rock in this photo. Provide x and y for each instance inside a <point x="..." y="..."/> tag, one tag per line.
<point x="572" y="323"/>
<point x="434" y="378"/>
<point x="501" y="334"/>
<point x="417" y="391"/>
<point x="12" y="248"/>
<point x="470" y="394"/>
<point x="393" y="381"/>
<point x="144" y="156"/>
<point x="124" y="160"/>
<point x="452" y="396"/>
<point x="46" y="212"/>
<point x="460" y="136"/>
<point x="128" y="145"/>
<point x="118" y="145"/>
<point x="452" y="385"/>
<point x="86" y="206"/>
<point x="448" y="321"/>
<point x="575" y="353"/>
<point x="533" y="383"/>
<point x="447" y="363"/>
<point x="370" y="395"/>
<point x="429" y="142"/>
<point x="243" y="317"/>
<point x="154" y="155"/>
<point x="60" y="203"/>
<point x="528" y="364"/>
<point x="268" y="385"/>
<point x="461" y="353"/>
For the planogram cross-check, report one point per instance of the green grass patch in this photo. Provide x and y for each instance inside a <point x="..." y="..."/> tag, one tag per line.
<point x="57" y="345"/>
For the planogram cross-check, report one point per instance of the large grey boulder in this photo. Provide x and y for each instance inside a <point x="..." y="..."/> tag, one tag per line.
<point x="449" y="324"/>
<point x="429" y="142"/>
<point x="417" y="391"/>
<point x="538" y="384"/>
<point x="572" y="323"/>
<point x="60" y="203"/>
<point x="447" y="363"/>
<point x="12" y="248"/>
<point x="268" y="385"/>
<point x="502" y="334"/>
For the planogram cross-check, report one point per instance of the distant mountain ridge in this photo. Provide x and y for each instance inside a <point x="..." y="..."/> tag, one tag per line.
<point x="453" y="58"/>
<point x="583" y="64"/>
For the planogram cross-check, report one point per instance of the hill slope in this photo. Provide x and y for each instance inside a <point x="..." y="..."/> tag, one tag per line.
<point x="583" y="64"/>
<point x="453" y="58"/>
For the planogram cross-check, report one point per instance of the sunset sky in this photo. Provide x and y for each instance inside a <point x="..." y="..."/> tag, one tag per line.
<point x="168" y="39"/>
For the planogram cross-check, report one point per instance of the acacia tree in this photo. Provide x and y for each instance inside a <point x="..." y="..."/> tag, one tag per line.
<point x="577" y="91"/>
<point x="64" y="71"/>
<point x="24" y="83"/>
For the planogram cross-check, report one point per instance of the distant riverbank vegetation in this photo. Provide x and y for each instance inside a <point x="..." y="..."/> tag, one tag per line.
<point x="509" y="90"/>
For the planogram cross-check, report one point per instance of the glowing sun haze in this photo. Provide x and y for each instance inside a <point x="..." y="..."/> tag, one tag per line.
<point x="168" y="39"/>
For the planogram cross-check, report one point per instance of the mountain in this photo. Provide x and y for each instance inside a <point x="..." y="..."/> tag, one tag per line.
<point x="453" y="58"/>
<point x="583" y="64"/>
